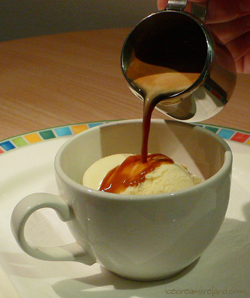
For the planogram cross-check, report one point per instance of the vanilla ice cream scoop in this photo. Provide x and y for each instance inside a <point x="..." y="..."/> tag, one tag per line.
<point x="95" y="174"/>
<point x="125" y="174"/>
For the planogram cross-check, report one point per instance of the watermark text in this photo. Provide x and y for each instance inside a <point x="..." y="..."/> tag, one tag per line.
<point x="213" y="292"/>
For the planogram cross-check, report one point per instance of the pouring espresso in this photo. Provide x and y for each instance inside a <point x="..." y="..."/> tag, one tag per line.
<point x="175" y="64"/>
<point x="156" y="83"/>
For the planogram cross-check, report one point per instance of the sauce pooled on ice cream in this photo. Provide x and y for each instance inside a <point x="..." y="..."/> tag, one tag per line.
<point x="132" y="172"/>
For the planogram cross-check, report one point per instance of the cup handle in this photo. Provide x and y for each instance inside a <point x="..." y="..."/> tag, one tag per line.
<point x="20" y="215"/>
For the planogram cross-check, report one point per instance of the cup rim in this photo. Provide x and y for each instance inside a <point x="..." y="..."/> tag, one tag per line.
<point x="226" y="167"/>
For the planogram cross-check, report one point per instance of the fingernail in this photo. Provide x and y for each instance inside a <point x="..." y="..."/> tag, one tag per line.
<point x="245" y="5"/>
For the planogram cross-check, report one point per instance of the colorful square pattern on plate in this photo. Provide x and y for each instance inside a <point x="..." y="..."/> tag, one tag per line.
<point x="44" y="135"/>
<point x="64" y="131"/>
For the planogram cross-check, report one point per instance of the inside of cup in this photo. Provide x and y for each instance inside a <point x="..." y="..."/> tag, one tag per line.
<point x="200" y="150"/>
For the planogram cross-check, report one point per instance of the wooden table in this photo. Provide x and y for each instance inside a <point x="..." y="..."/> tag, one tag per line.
<point x="76" y="77"/>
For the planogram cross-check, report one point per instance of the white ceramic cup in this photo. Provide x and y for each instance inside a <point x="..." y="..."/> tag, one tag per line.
<point x="139" y="237"/>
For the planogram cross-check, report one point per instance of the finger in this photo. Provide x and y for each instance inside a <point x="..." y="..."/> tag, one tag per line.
<point x="162" y="4"/>
<point x="219" y="11"/>
<point x="226" y="10"/>
<point x="243" y="64"/>
<point x="240" y="46"/>
<point x="231" y="30"/>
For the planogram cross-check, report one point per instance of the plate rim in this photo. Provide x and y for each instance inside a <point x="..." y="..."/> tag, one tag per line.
<point x="45" y="134"/>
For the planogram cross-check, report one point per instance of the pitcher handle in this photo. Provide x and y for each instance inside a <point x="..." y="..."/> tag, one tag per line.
<point x="199" y="9"/>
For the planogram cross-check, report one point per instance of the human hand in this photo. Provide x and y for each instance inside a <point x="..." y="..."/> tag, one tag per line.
<point x="230" y="21"/>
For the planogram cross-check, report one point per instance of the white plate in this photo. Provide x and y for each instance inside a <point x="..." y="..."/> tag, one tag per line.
<point x="223" y="270"/>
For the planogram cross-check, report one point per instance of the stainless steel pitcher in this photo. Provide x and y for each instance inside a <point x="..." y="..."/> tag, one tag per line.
<point x="174" y="38"/>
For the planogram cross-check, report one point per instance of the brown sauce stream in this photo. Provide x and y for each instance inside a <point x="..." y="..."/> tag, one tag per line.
<point x="153" y="81"/>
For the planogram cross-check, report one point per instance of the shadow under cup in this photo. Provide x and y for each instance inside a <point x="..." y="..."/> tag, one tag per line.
<point x="147" y="237"/>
